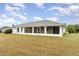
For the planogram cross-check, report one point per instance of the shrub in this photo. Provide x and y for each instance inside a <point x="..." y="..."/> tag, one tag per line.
<point x="77" y="28"/>
<point x="8" y="31"/>
<point x="0" y="31"/>
<point x="71" y="29"/>
<point x="65" y="33"/>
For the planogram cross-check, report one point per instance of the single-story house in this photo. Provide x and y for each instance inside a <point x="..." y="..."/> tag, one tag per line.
<point x="43" y="27"/>
<point x="5" y="28"/>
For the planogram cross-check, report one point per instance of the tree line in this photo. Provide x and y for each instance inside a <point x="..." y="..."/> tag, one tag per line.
<point x="73" y="28"/>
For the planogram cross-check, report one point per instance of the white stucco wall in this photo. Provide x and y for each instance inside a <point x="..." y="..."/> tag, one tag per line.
<point x="61" y="31"/>
<point x="64" y="29"/>
<point x="23" y="30"/>
<point x="14" y="30"/>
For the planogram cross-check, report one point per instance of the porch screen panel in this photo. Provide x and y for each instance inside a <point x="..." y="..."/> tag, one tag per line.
<point x="56" y="30"/>
<point x="42" y="29"/>
<point x="35" y="30"/>
<point x="53" y="30"/>
<point x="39" y="30"/>
<point x="28" y="29"/>
<point x="49" y="30"/>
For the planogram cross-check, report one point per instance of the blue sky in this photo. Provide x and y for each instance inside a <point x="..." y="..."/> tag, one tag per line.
<point x="12" y="13"/>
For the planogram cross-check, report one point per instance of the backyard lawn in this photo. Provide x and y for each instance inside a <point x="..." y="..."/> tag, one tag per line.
<point x="26" y="45"/>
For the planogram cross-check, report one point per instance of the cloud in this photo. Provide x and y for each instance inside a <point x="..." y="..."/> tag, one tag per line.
<point x="6" y="21"/>
<point x="40" y="5"/>
<point x="3" y="16"/>
<point x="74" y="8"/>
<point x="55" y="19"/>
<point x="65" y="11"/>
<point x="23" y="17"/>
<point x="18" y="5"/>
<point x="60" y="10"/>
<point x="77" y="15"/>
<point x="9" y="21"/>
<point x="16" y="11"/>
<point x="9" y="8"/>
<point x="14" y="14"/>
<point x="37" y="18"/>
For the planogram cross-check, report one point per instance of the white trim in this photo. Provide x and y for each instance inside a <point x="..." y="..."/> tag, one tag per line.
<point x="40" y="34"/>
<point x="61" y="30"/>
<point x="23" y="30"/>
<point x="32" y="29"/>
<point x="20" y="29"/>
<point x="45" y="29"/>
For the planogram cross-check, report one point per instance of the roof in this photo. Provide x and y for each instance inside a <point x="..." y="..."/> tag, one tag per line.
<point x="40" y="23"/>
<point x="4" y="27"/>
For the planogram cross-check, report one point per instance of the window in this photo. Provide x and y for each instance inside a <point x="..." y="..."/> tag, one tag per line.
<point x="17" y="29"/>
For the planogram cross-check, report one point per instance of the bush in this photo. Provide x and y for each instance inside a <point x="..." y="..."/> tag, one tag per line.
<point x="0" y="31"/>
<point x="71" y="29"/>
<point x="77" y="28"/>
<point x="8" y="31"/>
<point x="65" y="33"/>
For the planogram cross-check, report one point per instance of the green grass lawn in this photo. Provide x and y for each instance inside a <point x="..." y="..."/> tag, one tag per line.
<point x="12" y="44"/>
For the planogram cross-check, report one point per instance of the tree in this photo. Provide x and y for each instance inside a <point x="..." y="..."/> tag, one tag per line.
<point x="71" y="29"/>
<point x="77" y="28"/>
<point x="0" y="31"/>
<point x="8" y="31"/>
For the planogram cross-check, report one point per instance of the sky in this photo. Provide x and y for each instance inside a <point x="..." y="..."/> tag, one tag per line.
<point x="18" y="13"/>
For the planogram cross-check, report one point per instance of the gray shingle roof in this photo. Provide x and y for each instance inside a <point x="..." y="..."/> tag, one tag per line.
<point x="40" y="23"/>
<point x="4" y="27"/>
